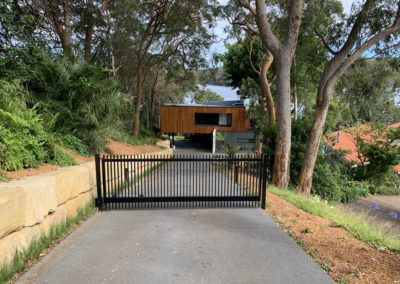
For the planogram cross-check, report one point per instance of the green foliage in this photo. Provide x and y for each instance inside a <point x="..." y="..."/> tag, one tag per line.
<point x="71" y="142"/>
<point x="332" y="179"/>
<point x="24" y="140"/>
<point x="58" y="156"/>
<point x="72" y="96"/>
<point x="354" y="223"/>
<point x="236" y="60"/>
<point x="2" y="177"/>
<point x="326" y="266"/>
<point x="371" y="83"/>
<point x="203" y="95"/>
<point x="37" y="246"/>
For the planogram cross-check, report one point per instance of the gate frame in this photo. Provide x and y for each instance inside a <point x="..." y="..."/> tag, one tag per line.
<point x="101" y="182"/>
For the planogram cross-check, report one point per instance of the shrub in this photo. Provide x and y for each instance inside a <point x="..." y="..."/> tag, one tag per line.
<point x="21" y="141"/>
<point x="352" y="190"/>
<point x="24" y="140"/>
<point x="74" y="143"/>
<point x="59" y="156"/>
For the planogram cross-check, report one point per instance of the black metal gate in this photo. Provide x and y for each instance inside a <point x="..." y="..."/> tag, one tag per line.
<point x="161" y="181"/>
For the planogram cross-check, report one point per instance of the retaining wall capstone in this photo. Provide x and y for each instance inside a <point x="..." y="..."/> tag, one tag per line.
<point x="31" y="206"/>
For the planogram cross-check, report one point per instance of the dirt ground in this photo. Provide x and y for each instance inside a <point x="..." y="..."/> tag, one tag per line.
<point x="347" y="259"/>
<point x="113" y="148"/>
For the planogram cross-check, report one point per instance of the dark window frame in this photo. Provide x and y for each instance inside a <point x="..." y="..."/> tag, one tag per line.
<point x="211" y="119"/>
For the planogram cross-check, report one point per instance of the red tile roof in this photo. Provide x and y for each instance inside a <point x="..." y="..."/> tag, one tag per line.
<point x="345" y="140"/>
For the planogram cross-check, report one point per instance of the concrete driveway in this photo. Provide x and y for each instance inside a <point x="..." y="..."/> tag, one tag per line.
<point x="239" y="245"/>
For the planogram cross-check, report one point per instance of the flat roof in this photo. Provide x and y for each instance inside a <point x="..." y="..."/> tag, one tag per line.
<point x="211" y="104"/>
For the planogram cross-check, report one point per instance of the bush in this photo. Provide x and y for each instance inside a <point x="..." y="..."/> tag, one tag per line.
<point x="71" y="142"/>
<point x="58" y="156"/>
<point x="352" y="190"/>
<point x="24" y="140"/>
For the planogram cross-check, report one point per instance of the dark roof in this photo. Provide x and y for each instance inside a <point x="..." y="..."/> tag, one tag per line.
<point x="212" y="104"/>
<point x="225" y="103"/>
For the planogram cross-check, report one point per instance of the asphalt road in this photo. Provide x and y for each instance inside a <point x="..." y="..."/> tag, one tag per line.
<point x="231" y="245"/>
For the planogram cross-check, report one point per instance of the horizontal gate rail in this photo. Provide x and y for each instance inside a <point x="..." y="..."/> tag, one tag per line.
<point x="160" y="181"/>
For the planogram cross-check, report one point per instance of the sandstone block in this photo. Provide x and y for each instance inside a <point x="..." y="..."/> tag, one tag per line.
<point x="12" y="209"/>
<point x="17" y="241"/>
<point x="56" y="217"/>
<point x="70" y="182"/>
<point x="92" y="173"/>
<point x="78" y="202"/>
<point x="40" y="198"/>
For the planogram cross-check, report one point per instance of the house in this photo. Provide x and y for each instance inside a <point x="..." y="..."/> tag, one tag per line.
<point x="227" y="119"/>
<point x="345" y="140"/>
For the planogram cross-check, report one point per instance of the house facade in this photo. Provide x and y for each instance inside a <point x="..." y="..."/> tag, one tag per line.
<point x="228" y="118"/>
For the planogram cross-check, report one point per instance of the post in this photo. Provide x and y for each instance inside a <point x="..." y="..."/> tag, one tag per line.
<point x="236" y="176"/>
<point x="99" y="199"/>
<point x="214" y="137"/>
<point x="264" y="177"/>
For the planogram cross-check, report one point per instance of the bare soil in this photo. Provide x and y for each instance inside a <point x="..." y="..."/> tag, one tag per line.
<point x="348" y="259"/>
<point x="113" y="148"/>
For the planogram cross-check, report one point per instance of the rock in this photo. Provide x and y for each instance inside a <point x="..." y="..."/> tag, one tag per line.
<point x="92" y="174"/>
<point x="17" y="241"/>
<point x="39" y="199"/>
<point x="12" y="209"/>
<point x="70" y="182"/>
<point x="78" y="202"/>
<point x="58" y="216"/>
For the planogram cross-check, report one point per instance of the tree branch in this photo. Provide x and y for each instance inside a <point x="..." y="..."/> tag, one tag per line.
<point x="326" y="45"/>
<point x="269" y="40"/>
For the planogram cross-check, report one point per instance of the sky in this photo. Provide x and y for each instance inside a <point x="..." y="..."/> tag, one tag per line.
<point x="219" y="46"/>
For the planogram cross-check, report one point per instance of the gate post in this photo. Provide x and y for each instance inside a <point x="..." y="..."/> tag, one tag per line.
<point x="264" y="177"/>
<point x="99" y="199"/>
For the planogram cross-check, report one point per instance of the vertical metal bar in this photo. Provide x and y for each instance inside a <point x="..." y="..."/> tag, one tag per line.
<point x="109" y="182"/>
<point x="135" y="189"/>
<point x="181" y="179"/>
<point x="221" y="177"/>
<point x="99" y="200"/>
<point x="264" y="181"/>
<point x="216" y="188"/>
<point x="103" y="173"/>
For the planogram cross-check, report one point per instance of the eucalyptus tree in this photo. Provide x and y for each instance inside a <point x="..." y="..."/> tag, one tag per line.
<point x="75" y="27"/>
<point x="371" y="87"/>
<point x="280" y="43"/>
<point x="373" y="26"/>
<point x="149" y="32"/>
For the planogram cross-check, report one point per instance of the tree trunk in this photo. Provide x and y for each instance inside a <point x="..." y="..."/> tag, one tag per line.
<point x="281" y="171"/>
<point x="66" y="40"/>
<point x="139" y="90"/>
<point x="268" y="99"/>
<point x="89" y="30"/>
<point x="154" y="90"/>
<point x="307" y="169"/>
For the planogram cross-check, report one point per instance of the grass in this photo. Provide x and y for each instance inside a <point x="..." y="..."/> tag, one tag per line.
<point x="24" y="258"/>
<point x="353" y="223"/>
<point x="3" y="177"/>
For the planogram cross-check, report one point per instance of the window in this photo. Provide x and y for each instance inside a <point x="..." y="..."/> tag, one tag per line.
<point x="218" y="119"/>
<point x="246" y="140"/>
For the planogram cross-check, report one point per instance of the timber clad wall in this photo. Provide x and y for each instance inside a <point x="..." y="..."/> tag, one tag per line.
<point x="174" y="119"/>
